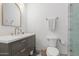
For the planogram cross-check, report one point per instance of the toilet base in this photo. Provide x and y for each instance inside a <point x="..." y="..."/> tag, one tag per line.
<point x="43" y="52"/>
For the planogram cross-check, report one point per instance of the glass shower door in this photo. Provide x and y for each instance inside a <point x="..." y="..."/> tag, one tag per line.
<point x="74" y="29"/>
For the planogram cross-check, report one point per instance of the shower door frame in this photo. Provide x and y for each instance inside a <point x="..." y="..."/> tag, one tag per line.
<point x="68" y="46"/>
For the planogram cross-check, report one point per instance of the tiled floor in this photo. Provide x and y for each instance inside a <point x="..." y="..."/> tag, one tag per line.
<point x="45" y="55"/>
<point x="42" y="53"/>
<point x="60" y="55"/>
<point x="39" y="54"/>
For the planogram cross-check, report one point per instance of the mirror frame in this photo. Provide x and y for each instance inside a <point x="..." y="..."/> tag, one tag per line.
<point x="20" y="16"/>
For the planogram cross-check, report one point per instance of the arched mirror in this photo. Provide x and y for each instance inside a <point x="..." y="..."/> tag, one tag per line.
<point x="11" y="14"/>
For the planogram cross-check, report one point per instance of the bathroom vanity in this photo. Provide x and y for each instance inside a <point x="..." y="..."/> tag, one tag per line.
<point x="17" y="45"/>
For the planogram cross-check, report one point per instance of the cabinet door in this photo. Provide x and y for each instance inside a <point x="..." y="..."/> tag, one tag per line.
<point x="21" y="52"/>
<point x="31" y="41"/>
<point x="30" y="44"/>
<point x="4" y="51"/>
<point x="16" y="46"/>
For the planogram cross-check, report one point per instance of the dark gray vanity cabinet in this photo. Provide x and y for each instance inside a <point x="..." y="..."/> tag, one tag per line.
<point x="21" y="47"/>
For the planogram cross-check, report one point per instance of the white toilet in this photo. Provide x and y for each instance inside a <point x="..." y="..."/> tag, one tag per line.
<point x="52" y="50"/>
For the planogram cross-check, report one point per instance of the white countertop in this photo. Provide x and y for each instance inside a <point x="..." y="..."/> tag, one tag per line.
<point x="12" y="38"/>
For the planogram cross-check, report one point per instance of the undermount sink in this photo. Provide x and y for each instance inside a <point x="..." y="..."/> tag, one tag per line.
<point x="11" y="38"/>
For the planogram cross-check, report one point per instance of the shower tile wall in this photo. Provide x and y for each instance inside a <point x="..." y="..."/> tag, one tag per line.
<point x="74" y="29"/>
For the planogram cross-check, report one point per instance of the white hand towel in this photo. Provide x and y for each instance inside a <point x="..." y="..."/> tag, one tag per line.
<point x="52" y="24"/>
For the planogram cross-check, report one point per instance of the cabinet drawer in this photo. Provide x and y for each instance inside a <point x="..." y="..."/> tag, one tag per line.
<point x="22" y="52"/>
<point x="24" y="42"/>
<point x="17" y="46"/>
<point x="30" y="42"/>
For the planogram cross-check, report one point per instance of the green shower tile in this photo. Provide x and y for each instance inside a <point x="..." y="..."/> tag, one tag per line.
<point x="74" y="32"/>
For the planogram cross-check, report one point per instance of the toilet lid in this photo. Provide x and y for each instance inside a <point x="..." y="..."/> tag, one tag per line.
<point x="52" y="51"/>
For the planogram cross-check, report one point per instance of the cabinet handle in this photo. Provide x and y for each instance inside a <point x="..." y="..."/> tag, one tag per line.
<point x="22" y="50"/>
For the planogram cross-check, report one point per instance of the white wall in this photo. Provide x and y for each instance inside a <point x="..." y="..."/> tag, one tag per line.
<point x="36" y="22"/>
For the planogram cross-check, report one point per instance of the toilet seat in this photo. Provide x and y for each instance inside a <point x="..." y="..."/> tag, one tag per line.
<point x="52" y="51"/>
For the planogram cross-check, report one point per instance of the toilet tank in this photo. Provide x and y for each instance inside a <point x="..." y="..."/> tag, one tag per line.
<point x="52" y="41"/>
